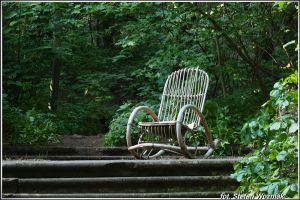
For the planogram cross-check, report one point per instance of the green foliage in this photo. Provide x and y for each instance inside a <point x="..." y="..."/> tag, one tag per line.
<point x="113" y="53"/>
<point x="31" y="127"/>
<point x="117" y="128"/>
<point x="225" y="117"/>
<point x="272" y="168"/>
<point x="224" y="128"/>
<point x="88" y="103"/>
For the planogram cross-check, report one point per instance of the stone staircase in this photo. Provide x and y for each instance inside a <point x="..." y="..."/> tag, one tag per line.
<point x="103" y="174"/>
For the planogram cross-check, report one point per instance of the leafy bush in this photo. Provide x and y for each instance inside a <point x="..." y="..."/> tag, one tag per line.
<point x="89" y="104"/>
<point x="38" y="128"/>
<point x="117" y="128"/>
<point x="225" y="118"/>
<point x="222" y="126"/>
<point x="272" y="167"/>
<point x="31" y="127"/>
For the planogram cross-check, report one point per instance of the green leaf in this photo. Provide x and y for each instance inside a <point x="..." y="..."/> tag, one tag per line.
<point x="281" y="5"/>
<point x="11" y="15"/>
<point x="252" y="124"/>
<point x="282" y="103"/>
<point x="273" y="188"/>
<point x="253" y="158"/>
<point x="13" y="23"/>
<point x="293" y="78"/>
<point x="286" y="190"/>
<point x="273" y="154"/>
<point x="274" y="93"/>
<point x="277" y="85"/>
<point x="294" y="187"/>
<point x="272" y="142"/>
<point x="285" y="103"/>
<point x="239" y="175"/>
<point x="275" y="126"/>
<point x="31" y="119"/>
<point x="276" y="172"/>
<point x="293" y="128"/>
<point x="259" y="133"/>
<point x="281" y="155"/>
<point x="264" y="188"/>
<point x="258" y="167"/>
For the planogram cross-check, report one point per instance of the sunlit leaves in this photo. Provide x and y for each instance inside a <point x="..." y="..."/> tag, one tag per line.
<point x="275" y="126"/>
<point x="281" y="156"/>
<point x="293" y="128"/>
<point x="272" y="168"/>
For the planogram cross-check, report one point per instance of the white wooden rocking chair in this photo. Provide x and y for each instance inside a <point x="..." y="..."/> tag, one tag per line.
<point x="180" y="114"/>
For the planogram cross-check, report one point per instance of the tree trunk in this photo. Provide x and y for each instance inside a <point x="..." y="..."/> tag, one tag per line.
<point x="219" y="63"/>
<point x="19" y="35"/>
<point x="98" y="37"/>
<point x="57" y="62"/>
<point x="91" y="29"/>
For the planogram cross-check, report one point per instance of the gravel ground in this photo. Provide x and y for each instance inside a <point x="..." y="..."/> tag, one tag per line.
<point x="82" y="140"/>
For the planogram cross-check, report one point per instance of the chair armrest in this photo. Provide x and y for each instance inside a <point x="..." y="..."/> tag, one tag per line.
<point x="142" y="108"/>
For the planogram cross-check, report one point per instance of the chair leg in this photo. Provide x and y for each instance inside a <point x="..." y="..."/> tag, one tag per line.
<point x="180" y="140"/>
<point x="211" y="149"/>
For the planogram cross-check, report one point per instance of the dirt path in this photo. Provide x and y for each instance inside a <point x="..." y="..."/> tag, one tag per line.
<point x="82" y="140"/>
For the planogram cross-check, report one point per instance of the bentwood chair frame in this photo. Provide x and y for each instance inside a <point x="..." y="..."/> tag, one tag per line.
<point x="180" y="112"/>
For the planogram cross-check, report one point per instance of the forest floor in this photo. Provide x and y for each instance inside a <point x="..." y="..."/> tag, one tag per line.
<point x="82" y="140"/>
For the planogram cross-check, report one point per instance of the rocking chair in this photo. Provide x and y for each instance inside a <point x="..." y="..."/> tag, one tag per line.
<point x="176" y="128"/>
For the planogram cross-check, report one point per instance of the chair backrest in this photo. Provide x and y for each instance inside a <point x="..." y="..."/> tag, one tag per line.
<point x="185" y="86"/>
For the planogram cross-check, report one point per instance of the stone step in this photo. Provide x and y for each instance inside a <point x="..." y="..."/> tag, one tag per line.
<point x="127" y="178"/>
<point x="56" y="150"/>
<point x="214" y="194"/>
<point x="119" y="184"/>
<point x="36" y="150"/>
<point x="116" y="168"/>
<point x="78" y="157"/>
<point x="72" y="157"/>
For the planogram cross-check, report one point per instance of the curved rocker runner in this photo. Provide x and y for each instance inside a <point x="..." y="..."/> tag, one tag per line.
<point x="179" y="121"/>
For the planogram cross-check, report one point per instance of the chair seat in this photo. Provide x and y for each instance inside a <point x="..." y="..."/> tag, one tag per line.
<point x="164" y="129"/>
<point x="164" y="123"/>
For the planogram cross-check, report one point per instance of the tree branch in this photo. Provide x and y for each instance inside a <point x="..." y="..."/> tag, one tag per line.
<point x="234" y="46"/>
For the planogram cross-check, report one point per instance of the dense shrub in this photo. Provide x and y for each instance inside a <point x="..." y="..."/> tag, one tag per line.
<point x="272" y="168"/>
<point x="225" y="118"/>
<point x="117" y="128"/>
<point x="31" y="127"/>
